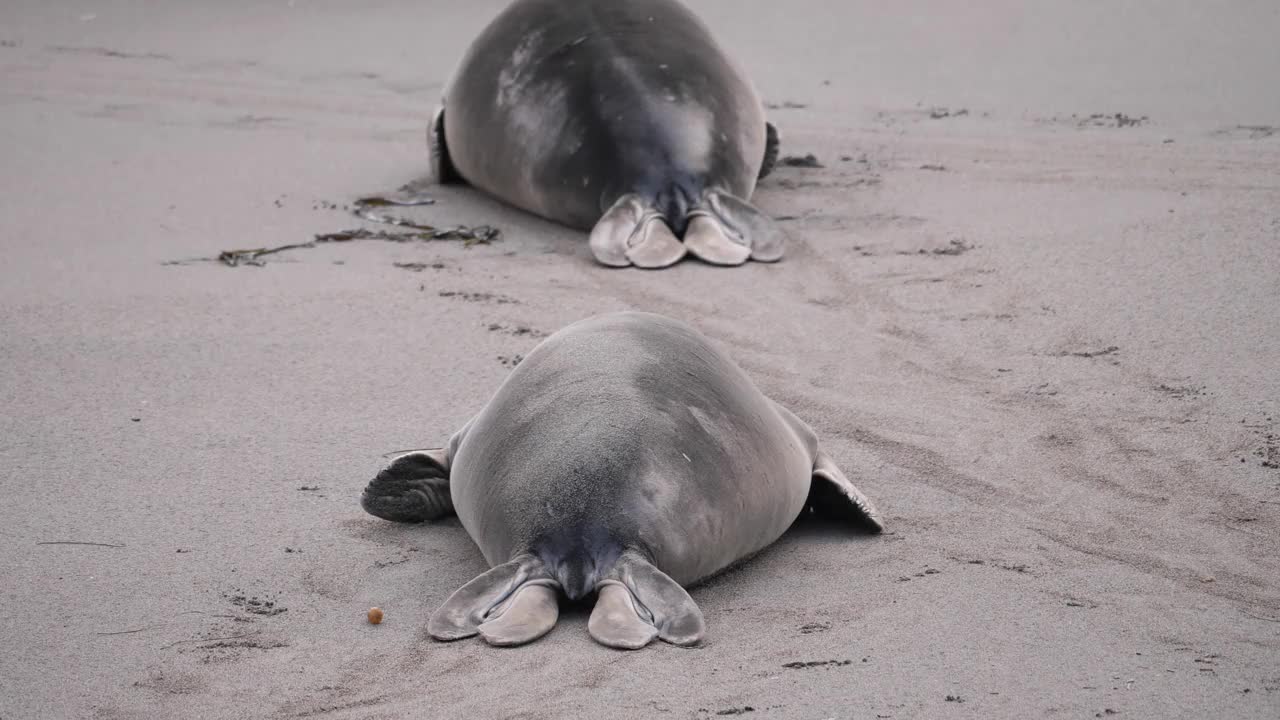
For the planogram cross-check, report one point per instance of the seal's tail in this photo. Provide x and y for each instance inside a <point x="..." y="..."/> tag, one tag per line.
<point x="674" y="204"/>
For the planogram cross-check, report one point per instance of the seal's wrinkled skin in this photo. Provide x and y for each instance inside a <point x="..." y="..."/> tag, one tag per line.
<point x="626" y="456"/>
<point x="625" y="118"/>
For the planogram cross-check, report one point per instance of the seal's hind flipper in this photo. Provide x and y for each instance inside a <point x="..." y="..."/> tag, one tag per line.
<point x="441" y="166"/>
<point x="707" y="238"/>
<point x="639" y="602"/>
<point x="616" y="620"/>
<point x="530" y="613"/>
<point x="413" y="488"/>
<point x="726" y="230"/>
<point x="772" y="146"/>
<point x="633" y="233"/>
<point x="512" y="604"/>
<point x="833" y="495"/>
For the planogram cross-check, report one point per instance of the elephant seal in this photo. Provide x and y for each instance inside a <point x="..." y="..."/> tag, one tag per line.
<point x="626" y="456"/>
<point x="622" y="118"/>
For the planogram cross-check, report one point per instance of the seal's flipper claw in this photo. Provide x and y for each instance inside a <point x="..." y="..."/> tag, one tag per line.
<point x="708" y="239"/>
<point x="441" y="166"/>
<point x="772" y="146"/>
<point x="482" y="600"/>
<point x="751" y="227"/>
<point x="530" y="613"/>
<point x="652" y="598"/>
<point x="833" y="495"/>
<point x="617" y="621"/>
<point x="632" y="233"/>
<point x="413" y="488"/>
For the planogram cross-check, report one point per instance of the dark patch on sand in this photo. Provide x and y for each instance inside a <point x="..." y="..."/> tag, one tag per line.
<point x="419" y="266"/>
<point x="1112" y="120"/>
<point x="953" y="248"/>
<point x="106" y="52"/>
<point x="1181" y="391"/>
<point x="481" y="297"/>
<point x="1249" y="132"/>
<point x="253" y="256"/>
<point x="818" y="627"/>
<point x="255" y="605"/>
<point x="800" y="161"/>
<point x="517" y="331"/>
<point x="1109" y="350"/>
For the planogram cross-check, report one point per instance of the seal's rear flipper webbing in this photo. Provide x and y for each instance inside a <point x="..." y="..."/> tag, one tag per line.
<point x="530" y="613"/>
<point x="710" y="240"/>
<point x="512" y="604"/>
<point x="639" y="602"/>
<point x="726" y="230"/>
<point x="631" y="232"/>
<point x="617" y="621"/>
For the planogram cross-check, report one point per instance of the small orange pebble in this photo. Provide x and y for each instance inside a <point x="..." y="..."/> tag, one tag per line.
<point x="375" y="615"/>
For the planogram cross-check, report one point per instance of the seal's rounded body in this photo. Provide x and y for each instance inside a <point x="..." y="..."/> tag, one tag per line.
<point x="626" y="456"/>
<point x="632" y="431"/>
<point x="570" y="109"/>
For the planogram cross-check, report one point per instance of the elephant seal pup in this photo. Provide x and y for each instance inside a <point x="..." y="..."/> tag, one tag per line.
<point x="625" y="456"/>
<point x="624" y="118"/>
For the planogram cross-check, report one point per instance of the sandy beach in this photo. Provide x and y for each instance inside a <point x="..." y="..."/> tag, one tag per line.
<point x="1031" y="305"/>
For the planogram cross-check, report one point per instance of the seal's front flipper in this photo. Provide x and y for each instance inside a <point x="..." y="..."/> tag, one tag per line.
<point x="413" y="488"/>
<point x="725" y="230"/>
<point x="512" y="604"/>
<point x="632" y="233"/>
<point x="833" y="495"/>
<point x="771" y="148"/>
<point x="441" y="166"/>
<point x="638" y="602"/>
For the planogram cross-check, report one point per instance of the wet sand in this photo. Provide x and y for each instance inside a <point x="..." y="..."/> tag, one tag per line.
<point x="1030" y="305"/>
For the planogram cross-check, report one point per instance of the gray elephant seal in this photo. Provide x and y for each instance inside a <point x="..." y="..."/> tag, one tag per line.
<point x="625" y="118"/>
<point x="625" y="456"/>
